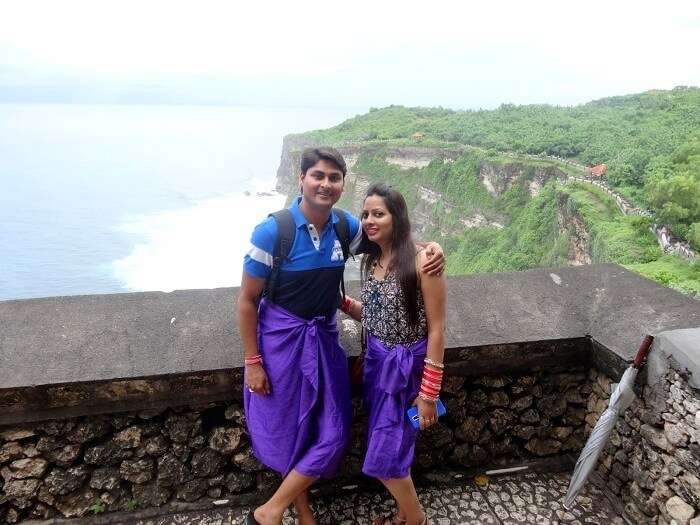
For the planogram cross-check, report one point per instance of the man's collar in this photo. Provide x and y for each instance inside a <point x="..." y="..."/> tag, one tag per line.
<point x="299" y="218"/>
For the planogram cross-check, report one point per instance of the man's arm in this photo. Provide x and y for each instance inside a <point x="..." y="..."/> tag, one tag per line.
<point x="435" y="263"/>
<point x="251" y="288"/>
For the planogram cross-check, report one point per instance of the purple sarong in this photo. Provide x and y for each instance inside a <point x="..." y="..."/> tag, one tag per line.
<point x="304" y="424"/>
<point x="391" y="381"/>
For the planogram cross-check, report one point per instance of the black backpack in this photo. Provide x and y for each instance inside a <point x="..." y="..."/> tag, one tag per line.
<point x="286" y="231"/>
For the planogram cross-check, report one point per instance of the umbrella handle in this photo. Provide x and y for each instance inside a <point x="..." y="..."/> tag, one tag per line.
<point x="643" y="351"/>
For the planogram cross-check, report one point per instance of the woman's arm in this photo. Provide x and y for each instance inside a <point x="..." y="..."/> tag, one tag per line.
<point x="251" y="288"/>
<point x="434" y="290"/>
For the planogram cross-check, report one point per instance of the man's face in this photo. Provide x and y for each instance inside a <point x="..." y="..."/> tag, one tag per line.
<point x="322" y="184"/>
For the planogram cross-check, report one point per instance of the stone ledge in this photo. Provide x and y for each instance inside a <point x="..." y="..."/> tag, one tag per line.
<point x="68" y="356"/>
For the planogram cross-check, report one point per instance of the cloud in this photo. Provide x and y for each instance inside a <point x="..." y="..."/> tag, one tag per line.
<point x="383" y="48"/>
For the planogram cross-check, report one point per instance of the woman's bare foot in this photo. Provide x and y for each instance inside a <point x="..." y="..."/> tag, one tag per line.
<point x="304" y="514"/>
<point x="265" y="516"/>
<point x="306" y="519"/>
<point x="303" y="510"/>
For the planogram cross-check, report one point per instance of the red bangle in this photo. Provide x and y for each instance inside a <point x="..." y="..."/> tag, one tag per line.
<point x="345" y="304"/>
<point x="253" y="360"/>
<point x="432" y="377"/>
<point x="430" y="386"/>
<point x="427" y="397"/>
<point x="430" y="389"/>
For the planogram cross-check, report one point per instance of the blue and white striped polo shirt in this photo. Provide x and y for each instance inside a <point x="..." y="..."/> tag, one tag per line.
<point x="309" y="280"/>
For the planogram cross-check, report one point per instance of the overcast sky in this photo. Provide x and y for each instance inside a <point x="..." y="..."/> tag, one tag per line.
<point x="350" y="54"/>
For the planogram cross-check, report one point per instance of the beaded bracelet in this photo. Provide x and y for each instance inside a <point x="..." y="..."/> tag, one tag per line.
<point x="430" y="362"/>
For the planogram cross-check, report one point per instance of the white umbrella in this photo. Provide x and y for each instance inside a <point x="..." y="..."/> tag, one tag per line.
<point x="621" y="397"/>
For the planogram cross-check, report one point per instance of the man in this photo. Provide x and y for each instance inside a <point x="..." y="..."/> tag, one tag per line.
<point x="297" y="394"/>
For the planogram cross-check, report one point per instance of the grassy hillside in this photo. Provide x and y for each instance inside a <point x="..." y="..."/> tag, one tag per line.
<point x="650" y="141"/>
<point x="532" y="234"/>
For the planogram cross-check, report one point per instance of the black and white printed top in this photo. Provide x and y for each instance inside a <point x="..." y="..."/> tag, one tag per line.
<point x="384" y="313"/>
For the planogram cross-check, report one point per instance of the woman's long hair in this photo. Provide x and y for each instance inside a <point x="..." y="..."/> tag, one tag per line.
<point x="403" y="250"/>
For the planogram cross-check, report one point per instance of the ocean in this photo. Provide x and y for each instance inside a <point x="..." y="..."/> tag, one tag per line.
<point x="106" y="199"/>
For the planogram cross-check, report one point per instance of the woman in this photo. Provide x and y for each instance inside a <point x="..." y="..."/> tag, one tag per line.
<point x="403" y="311"/>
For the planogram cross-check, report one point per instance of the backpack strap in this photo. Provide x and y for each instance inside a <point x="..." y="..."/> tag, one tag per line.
<point x="286" y="231"/>
<point x="342" y="231"/>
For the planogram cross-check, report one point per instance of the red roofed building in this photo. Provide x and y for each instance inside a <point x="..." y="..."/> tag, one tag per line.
<point x="598" y="171"/>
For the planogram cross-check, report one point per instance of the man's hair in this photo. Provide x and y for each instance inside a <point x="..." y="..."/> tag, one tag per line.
<point x="311" y="156"/>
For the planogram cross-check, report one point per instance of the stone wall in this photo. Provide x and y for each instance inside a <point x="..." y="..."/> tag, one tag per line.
<point x="76" y="366"/>
<point x="652" y="461"/>
<point x="92" y="464"/>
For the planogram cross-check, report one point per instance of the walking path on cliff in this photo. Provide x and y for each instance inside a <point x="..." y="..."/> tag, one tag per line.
<point x="667" y="241"/>
<point x="512" y="499"/>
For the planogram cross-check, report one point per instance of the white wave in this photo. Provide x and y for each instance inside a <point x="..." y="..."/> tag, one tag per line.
<point x="196" y="247"/>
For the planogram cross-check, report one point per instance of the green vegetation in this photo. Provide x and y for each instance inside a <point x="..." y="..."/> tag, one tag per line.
<point x="614" y="237"/>
<point x="672" y="272"/>
<point x="537" y="231"/>
<point x="532" y="239"/>
<point x="649" y="141"/>
<point x="673" y="189"/>
<point x="97" y="507"/>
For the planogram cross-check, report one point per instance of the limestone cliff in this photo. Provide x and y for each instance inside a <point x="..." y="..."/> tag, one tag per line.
<point x="497" y="178"/>
<point x="356" y="183"/>
<point x="431" y="210"/>
<point x="572" y="224"/>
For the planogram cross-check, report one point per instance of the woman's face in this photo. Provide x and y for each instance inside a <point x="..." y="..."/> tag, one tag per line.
<point x="377" y="222"/>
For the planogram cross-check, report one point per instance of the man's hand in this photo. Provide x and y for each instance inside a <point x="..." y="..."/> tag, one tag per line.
<point x="256" y="380"/>
<point x="435" y="265"/>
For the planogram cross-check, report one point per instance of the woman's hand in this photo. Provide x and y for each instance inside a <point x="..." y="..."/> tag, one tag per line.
<point x="256" y="379"/>
<point x="435" y="265"/>
<point x="427" y="412"/>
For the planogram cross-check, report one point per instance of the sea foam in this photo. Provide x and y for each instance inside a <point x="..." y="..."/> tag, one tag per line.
<point x="201" y="246"/>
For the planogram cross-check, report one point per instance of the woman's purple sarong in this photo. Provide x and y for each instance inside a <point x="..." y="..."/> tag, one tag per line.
<point x="392" y="379"/>
<point x="304" y="424"/>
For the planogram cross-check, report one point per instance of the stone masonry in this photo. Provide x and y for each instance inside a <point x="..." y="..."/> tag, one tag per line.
<point x="652" y="461"/>
<point x="91" y="464"/>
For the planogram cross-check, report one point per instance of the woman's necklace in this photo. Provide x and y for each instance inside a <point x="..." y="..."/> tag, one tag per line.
<point x="385" y="266"/>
